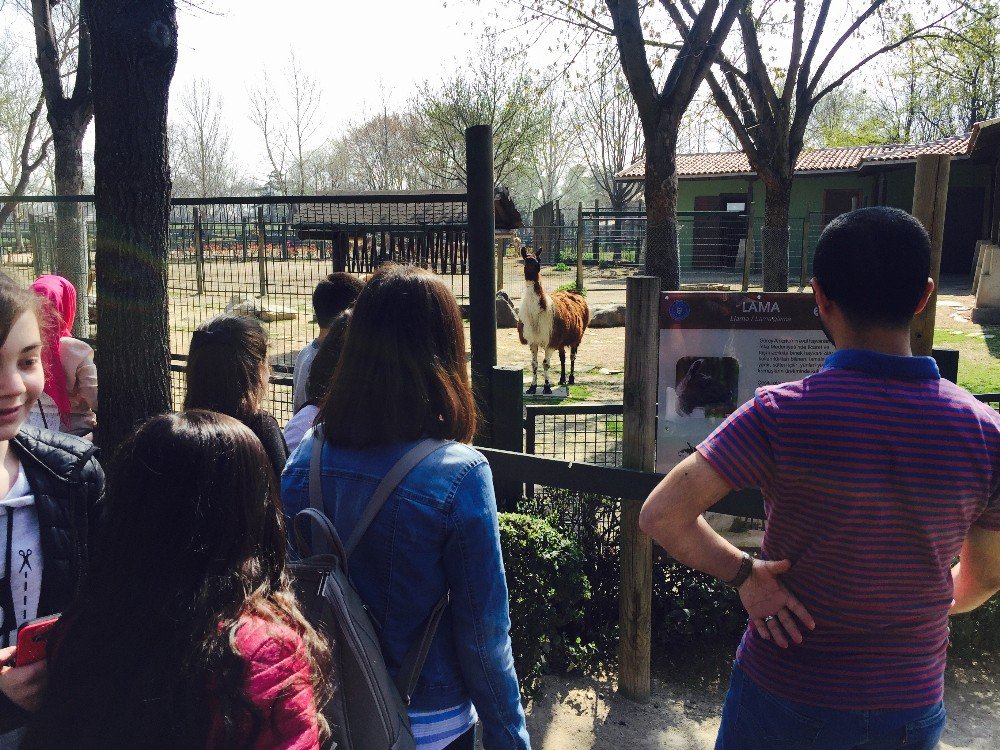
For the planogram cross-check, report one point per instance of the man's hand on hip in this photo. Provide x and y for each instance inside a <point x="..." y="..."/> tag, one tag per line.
<point x="775" y="613"/>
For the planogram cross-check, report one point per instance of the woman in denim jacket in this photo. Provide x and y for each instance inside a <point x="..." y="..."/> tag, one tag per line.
<point x="402" y="377"/>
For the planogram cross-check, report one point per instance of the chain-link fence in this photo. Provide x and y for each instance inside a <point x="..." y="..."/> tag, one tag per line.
<point x="265" y="255"/>
<point x="712" y="246"/>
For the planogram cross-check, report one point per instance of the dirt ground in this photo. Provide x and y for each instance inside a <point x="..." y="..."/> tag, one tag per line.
<point x="585" y="713"/>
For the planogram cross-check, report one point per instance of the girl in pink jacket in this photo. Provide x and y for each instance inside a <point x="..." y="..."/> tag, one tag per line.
<point x="69" y="403"/>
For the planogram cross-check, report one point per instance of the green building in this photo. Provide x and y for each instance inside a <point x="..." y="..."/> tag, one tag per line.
<point x="715" y="190"/>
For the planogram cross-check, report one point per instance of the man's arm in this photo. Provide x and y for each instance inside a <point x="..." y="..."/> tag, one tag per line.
<point x="977" y="574"/>
<point x="672" y="516"/>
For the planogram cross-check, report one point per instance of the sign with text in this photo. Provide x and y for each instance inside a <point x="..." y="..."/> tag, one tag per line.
<point x="717" y="348"/>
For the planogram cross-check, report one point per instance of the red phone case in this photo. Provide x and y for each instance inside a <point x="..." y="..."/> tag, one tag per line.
<point x="32" y="640"/>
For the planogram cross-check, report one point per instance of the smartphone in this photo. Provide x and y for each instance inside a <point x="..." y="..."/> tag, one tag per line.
<point x="32" y="640"/>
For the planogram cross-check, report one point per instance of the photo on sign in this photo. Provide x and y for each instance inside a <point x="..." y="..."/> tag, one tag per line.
<point x="707" y="386"/>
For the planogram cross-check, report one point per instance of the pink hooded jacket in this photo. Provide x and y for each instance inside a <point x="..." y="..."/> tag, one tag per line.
<point x="279" y="684"/>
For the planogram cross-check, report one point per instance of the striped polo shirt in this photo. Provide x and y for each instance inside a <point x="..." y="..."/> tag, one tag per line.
<point x="872" y="472"/>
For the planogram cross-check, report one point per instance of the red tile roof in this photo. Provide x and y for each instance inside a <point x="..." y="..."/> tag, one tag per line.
<point x="849" y="158"/>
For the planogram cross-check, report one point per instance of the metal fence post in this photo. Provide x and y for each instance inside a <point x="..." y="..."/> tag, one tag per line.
<point x="199" y="253"/>
<point x="642" y="304"/>
<point x="579" y="246"/>
<point x="501" y="254"/>
<point x="261" y="243"/>
<point x="748" y="255"/>
<point x="482" y="275"/>
<point x="596" y="251"/>
<point x="508" y="427"/>
<point x="804" y="262"/>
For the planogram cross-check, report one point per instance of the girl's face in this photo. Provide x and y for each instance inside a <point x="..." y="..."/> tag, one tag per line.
<point x="21" y="376"/>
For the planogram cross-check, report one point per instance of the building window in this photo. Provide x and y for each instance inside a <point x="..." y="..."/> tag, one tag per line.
<point x="837" y="202"/>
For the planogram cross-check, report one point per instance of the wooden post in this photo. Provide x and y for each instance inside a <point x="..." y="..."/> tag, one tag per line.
<point x="482" y="275"/>
<point x="501" y="254"/>
<point x="199" y="253"/>
<point x="930" y="199"/>
<point x="579" y="246"/>
<point x="804" y="263"/>
<point x="508" y="428"/>
<point x="642" y="329"/>
<point x="261" y="243"/>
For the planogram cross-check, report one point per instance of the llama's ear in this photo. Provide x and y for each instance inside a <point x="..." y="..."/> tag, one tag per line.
<point x="696" y="367"/>
<point x="524" y="253"/>
<point x="539" y="253"/>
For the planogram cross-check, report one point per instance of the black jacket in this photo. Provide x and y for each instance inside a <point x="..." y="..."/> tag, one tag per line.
<point x="68" y="484"/>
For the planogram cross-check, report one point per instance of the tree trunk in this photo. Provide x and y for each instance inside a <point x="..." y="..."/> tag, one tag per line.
<point x="662" y="254"/>
<point x="134" y="53"/>
<point x="774" y="235"/>
<point x="71" y="242"/>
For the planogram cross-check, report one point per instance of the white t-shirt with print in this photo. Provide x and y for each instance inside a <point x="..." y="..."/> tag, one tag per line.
<point x="25" y="554"/>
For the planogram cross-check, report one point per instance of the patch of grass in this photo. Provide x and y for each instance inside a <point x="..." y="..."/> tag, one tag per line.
<point x="978" y="359"/>
<point x="572" y="287"/>
<point x="576" y="393"/>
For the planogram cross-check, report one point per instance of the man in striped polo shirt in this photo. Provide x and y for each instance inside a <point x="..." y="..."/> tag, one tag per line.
<point x="875" y="473"/>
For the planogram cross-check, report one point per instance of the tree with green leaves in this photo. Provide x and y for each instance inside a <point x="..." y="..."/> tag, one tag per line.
<point x="663" y="74"/>
<point x="495" y="92"/>
<point x="769" y="107"/>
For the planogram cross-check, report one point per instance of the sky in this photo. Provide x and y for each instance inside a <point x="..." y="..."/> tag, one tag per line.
<point x="358" y="52"/>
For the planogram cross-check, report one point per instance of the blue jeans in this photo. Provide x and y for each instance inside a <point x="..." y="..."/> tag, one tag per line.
<point x="754" y="719"/>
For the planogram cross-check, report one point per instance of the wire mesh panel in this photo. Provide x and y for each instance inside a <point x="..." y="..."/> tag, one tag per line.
<point x="579" y="432"/>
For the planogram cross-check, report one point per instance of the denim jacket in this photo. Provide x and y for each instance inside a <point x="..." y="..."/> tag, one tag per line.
<point x="437" y="532"/>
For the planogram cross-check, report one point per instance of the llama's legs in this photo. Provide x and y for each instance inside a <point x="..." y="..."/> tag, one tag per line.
<point x="534" y="369"/>
<point x="562" y="366"/>
<point x="545" y="365"/>
<point x="572" y="364"/>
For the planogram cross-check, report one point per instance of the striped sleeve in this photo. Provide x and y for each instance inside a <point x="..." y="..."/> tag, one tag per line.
<point x="741" y="448"/>
<point x="989" y="519"/>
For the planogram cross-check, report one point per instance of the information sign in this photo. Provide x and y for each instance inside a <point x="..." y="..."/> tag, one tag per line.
<point x="717" y="348"/>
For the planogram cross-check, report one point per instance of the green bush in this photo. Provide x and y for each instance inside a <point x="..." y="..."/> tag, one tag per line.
<point x="690" y="606"/>
<point x="547" y="590"/>
<point x="560" y="266"/>
<point x="572" y="287"/>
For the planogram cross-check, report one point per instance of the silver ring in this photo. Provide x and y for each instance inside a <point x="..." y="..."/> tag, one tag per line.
<point x="768" y="618"/>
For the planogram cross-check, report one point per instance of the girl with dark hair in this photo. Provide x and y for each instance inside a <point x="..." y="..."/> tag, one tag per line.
<point x="187" y="633"/>
<point x="320" y="372"/>
<point x="50" y="490"/>
<point x="227" y="372"/>
<point x="401" y="378"/>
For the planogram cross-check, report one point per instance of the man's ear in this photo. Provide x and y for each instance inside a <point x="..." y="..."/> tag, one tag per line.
<point x="928" y="291"/>
<point x="822" y="301"/>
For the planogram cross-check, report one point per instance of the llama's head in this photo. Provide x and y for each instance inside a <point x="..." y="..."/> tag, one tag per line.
<point x="532" y="264"/>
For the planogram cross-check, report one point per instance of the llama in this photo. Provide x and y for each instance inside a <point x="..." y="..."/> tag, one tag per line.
<point x="549" y="321"/>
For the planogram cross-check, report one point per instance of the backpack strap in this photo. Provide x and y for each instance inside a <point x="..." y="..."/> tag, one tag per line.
<point x="389" y="482"/>
<point x="328" y="537"/>
<point x="413" y="662"/>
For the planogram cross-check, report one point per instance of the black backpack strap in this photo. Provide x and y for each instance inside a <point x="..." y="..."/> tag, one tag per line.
<point x="327" y="538"/>
<point x="413" y="662"/>
<point x="389" y="482"/>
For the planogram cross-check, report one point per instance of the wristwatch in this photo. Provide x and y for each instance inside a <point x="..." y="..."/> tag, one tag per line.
<point x="746" y="568"/>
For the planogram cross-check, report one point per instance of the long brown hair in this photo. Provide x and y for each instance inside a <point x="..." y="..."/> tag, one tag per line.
<point x="402" y="373"/>
<point x="227" y="367"/>
<point x="194" y="542"/>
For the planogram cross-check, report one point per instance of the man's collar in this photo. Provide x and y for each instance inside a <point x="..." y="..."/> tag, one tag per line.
<point x="885" y="365"/>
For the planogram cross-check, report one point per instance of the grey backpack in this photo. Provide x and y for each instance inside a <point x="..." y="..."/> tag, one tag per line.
<point x="368" y="709"/>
